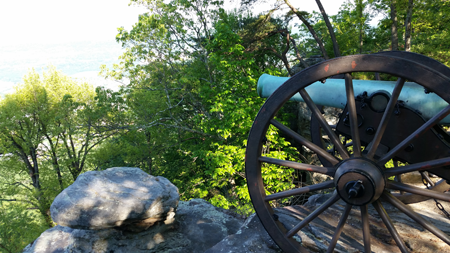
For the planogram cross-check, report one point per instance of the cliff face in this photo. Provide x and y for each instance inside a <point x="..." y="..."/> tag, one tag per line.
<point x="126" y="210"/>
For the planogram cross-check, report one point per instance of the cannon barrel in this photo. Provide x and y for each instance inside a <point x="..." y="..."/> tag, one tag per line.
<point x="332" y="93"/>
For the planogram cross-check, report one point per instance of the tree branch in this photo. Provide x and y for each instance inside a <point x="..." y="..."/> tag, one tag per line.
<point x="330" y="29"/>
<point x="19" y="200"/>
<point x="310" y="28"/>
<point x="2" y="246"/>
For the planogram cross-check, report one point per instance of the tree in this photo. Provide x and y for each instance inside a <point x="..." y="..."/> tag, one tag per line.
<point x="301" y="16"/>
<point x="330" y="29"/>
<point x="408" y="25"/>
<point x="429" y="28"/>
<point x="394" y="35"/>
<point x="192" y="67"/>
<point x="48" y="127"/>
<point x="423" y="24"/>
<point x="360" y="8"/>
<point x="22" y="116"/>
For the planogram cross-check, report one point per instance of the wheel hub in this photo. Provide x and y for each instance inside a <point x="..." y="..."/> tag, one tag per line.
<point x="359" y="181"/>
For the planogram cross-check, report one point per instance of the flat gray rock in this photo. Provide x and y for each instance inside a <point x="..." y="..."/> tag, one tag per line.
<point x="122" y="197"/>
<point x="317" y="235"/>
<point x="251" y="237"/>
<point x="204" y="225"/>
<point x="197" y="227"/>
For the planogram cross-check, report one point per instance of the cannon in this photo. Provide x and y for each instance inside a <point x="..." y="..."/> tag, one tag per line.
<point x="384" y="130"/>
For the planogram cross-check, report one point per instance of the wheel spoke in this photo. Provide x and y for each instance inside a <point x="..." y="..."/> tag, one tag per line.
<point x="299" y="166"/>
<point x="301" y="190"/>
<point x="424" y="128"/>
<point x="428" y="165"/>
<point x="409" y="198"/>
<point x="426" y="179"/>
<point x="390" y="226"/>
<point x="417" y="218"/>
<point x="339" y="228"/>
<point x="324" y="124"/>
<point x="303" y="141"/>
<point x="386" y="116"/>
<point x="365" y="228"/>
<point x="398" y="178"/>
<point x="314" y="214"/>
<point x="418" y="191"/>
<point x="351" y="107"/>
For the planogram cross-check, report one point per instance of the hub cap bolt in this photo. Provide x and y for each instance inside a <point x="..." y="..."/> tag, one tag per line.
<point x="355" y="189"/>
<point x="370" y="131"/>
<point x="409" y="148"/>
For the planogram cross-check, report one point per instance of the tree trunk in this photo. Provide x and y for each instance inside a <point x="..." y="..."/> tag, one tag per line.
<point x="408" y="26"/>
<point x="330" y="29"/>
<point x="149" y="158"/>
<point x="33" y="169"/>
<point x="283" y="55"/>
<point x="297" y="52"/>
<point x="311" y="30"/>
<point x="48" y="218"/>
<point x="361" y="24"/>
<point x="394" y="35"/>
<point x="55" y="160"/>
<point x="285" y="59"/>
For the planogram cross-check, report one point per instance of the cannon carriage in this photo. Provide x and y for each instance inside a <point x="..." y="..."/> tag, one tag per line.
<point x="399" y="123"/>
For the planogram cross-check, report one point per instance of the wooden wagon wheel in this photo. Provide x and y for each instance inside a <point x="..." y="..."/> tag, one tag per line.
<point x="407" y="198"/>
<point x="359" y="177"/>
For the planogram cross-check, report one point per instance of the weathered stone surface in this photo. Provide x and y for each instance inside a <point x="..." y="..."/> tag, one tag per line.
<point x="198" y="226"/>
<point x="117" y="197"/>
<point x="251" y="237"/>
<point x="317" y="235"/>
<point x="204" y="225"/>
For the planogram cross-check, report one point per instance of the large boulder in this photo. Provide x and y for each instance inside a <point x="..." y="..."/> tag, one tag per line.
<point x="198" y="226"/>
<point x="122" y="197"/>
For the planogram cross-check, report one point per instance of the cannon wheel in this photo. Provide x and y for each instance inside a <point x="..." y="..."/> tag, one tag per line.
<point x="370" y="171"/>
<point x="406" y="198"/>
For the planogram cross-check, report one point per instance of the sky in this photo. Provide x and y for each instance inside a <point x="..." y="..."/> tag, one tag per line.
<point x="50" y="21"/>
<point x="30" y="26"/>
<point x="330" y="6"/>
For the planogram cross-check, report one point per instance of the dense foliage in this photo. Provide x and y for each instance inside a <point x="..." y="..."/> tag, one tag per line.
<point x="48" y="127"/>
<point x="199" y="85"/>
<point x="190" y="71"/>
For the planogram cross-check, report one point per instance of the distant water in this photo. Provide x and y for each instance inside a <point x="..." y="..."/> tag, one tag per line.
<point x="77" y="59"/>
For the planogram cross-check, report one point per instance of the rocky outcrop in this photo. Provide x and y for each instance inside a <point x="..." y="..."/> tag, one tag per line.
<point x="251" y="237"/>
<point x="317" y="235"/>
<point x="198" y="226"/>
<point x="125" y="198"/>
<point x="127" y="210"/>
